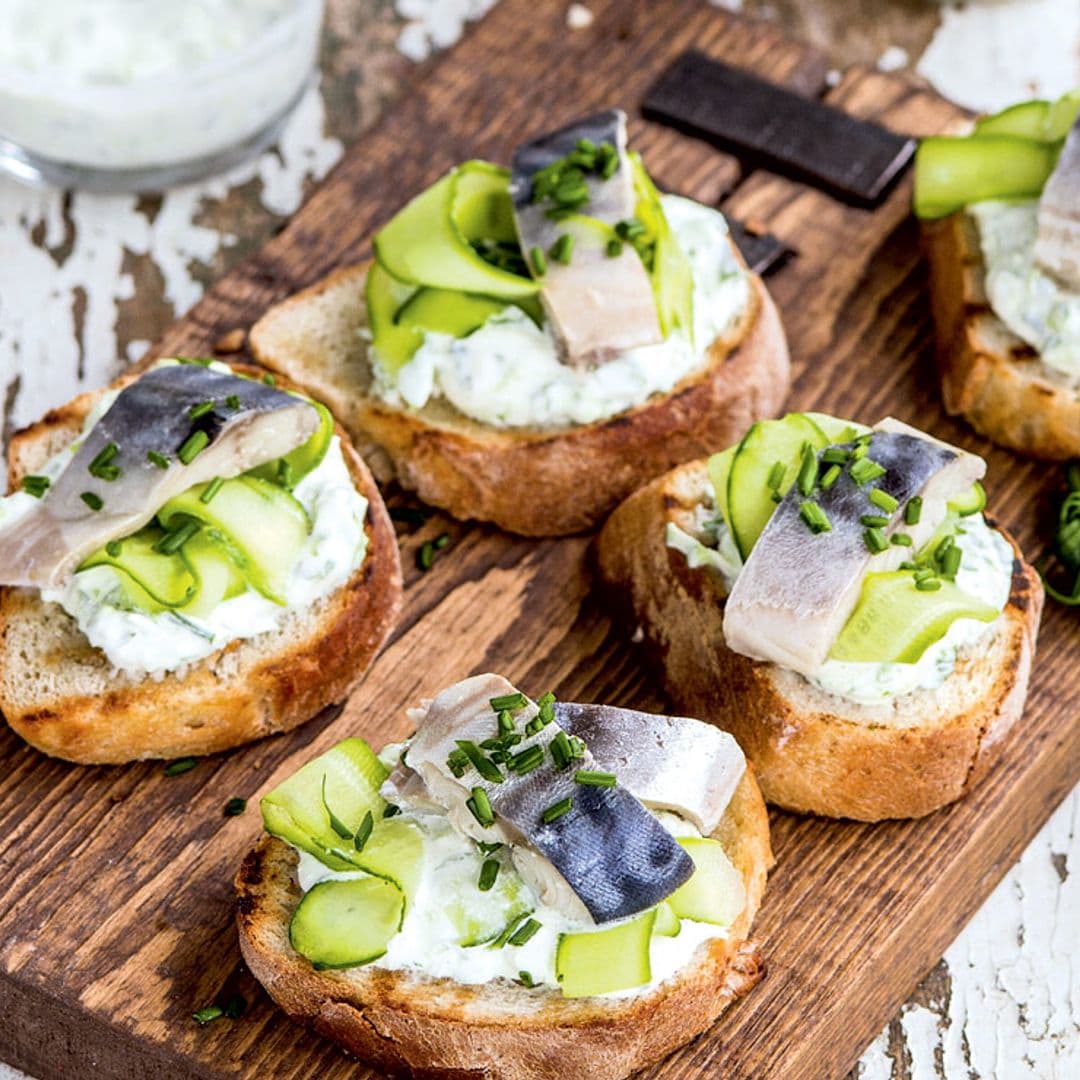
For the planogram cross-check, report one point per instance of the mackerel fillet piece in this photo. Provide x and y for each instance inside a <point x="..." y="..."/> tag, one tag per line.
<point x="150" y="416"/>
<point x="797" y="589"/>
<point x="668" y="762"/>
<point x="608" y="851"/>
<point x="598" y="305"/>
<point x="1057" y="247"/>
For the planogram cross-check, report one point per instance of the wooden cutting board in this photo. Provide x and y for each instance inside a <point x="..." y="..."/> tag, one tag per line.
<point x="115" y="894"/>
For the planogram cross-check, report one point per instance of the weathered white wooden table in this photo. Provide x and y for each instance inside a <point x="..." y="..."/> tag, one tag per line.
<point x="87" y="281"/>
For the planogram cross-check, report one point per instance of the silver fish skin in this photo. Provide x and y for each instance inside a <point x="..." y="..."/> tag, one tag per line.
<point x="44" y="546"/>
<point x="1057" y="246"/>
<point x="797" y="590"/>
<point x="608" y="853"/>
<point x="668" y="762"/>
<point x="598" y="305"/>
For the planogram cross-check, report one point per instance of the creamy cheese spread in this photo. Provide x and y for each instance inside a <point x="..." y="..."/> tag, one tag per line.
<point x="126" y="84"/>
<point x="507" y="373"/>
<point x="985" y="573"/>
<point x="1032" y="304"/>
<point x="427" y="941"/>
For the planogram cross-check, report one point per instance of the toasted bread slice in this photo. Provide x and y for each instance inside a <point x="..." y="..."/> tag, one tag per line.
<point x="991" y="377"/>
<point x="402" y="1020"/>
<point x="814" y="752"/>
<point x="537" y="482"/>
<point x="64" y="697"/>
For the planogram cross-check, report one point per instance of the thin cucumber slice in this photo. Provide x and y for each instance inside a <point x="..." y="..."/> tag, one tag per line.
<point x="482" y="207"/>
<point x="262" y="526"/>
<point x="218" y="576"/>
<point x="445" y="311"/>
<point x="384" y="297"/>
<point x="343" y="924"/>
<point x="895" y="623"/>
<point x="750" y="499"/>
<point x="424" y="243"/>
<point x="834" y="429"/>
<point x="480" y="917"/>
<point x="667" y="924"/>
<point x="603" y="961"/>
<point x="344" y="781"/>
<point x="306" y="458"/>
<point x="715" y="892"/>
<point x="719" y="467"/>
<point x="971" y="502"/>
<point x="151" y="581"/>
<point x="395" y="850"/>
<point x="1027" y="119"/>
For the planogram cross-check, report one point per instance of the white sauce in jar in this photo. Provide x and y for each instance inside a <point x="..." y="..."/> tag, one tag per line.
<point x="134" y="84"/>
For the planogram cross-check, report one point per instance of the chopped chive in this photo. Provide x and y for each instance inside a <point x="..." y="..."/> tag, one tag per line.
<point x="832" y="474"/>
<point x="546" y="714"/>
<point x="609" y="167"/>
<point x="883" y="500"/>
<point x="512" y="739"/>
<point x="35" y="485"/>
<point x="508" y="930"/>
<point x="630" y="229"/>
<point x="874" y="521"/>
<point x="204" y="1016"/>
<point x="95" y="502"/>
<point x="233" y="402"/>
<point x="526" y="980"/>
<point x="201" y="409"/>
<point x="440" y="541"/>
<point x="183" y="765"/>
<point x="560" y="750"/>
<point x="513" y="702"/>
<point x="457" y="763"/>
<point x="950" y="561"/>
<point x="480" y="807"/>
<point x="235" y="1007"/>
<point x="835" y="455"/>
<point x="523" y="933"/>
<point x="211" y="489"/>
<point x="595" y="778"/>
<point x="336" y="823"/>
<point x="539" y="262"/>
<point x="235" y="806"/>
<point x="506" y="722"/>
<point x="269" y="380"/>
<point x="900" y="540"/>
<point x="113" y="549"/>
<point x="487" y="769"/>
<point x="776" y="497"/>
<point x="172" y="542"/>
<point x="491" y="744"/>
<point x="913" y="510"/>
<point x="529" y="759"/>
<point x="922" y="573"/>
<point x="100" y="466"/>
<point x="816" y="519"/>
<point x="487" y="849"/>
<point x="425" y="556"/>
<point x="488" y="873"/>
<point x="363" y="834"/>
<point x="391" y="810"/>
<point x="927" y="584"/>
<point x="193" y="446"/>
<point x="534" y="726"/>
<point x="614" y="248"/>
<point x="875" y="540"/>
<point x="808" y="471"/>
<point x="860" y="451"/>
<point x="557" y="810"/>
<point x="909" y="565"/>
<point x="160" y="460"/>
<point x="563" y="249"/>
<point x="776" y="475"/>
<point x="577" y="748"/>
<point x="546" y="699"/>
<point x="864" y="470"/>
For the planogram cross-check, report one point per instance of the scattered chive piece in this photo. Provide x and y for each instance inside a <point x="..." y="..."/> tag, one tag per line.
<point x="95" y="502"/>
<point x="875" y="540"/>
<point x="557" y="810"/>
<point x="860" y="451"/>
<point x="480" y="806"/>
<point x="172" y="542"/>
<point x="35" y="485"/>
<point x="425" y="556"/>
<point x="233" y="402"/>
<point x="201" y="409"/>
<point x="922" y="573"/>
<point x="577" y="748"/>
<point x="363" y="834"/>
<point x="883" y="500"/>
<point x="509" y="929"/>
<point x="488" y="873"/>
<point x="864" y="470"/>
<point x="900" y="540"/>
<point x="440" y="541"/>
<point x="539" y="262"/>
<point x="487" y="769"/>
<point x="595" y="778"/>
<point x="506" y="722"/>
<point x="100" y="466"/>
<point x="160" y="460"/>
<point x="563" y="249"/>
<point x="183" y="765"/>
<point x="776" y="475"/>
<point x="390" y="809"/>
<point x="546" y="699"/>
<point x="513" y="702"/>
<point x="913" y="510"/>
<point x="527" y="760"/>
<point x="560" y="750"/>
<point x="204" y="1016"/>
<point x="909" y="565"/>
<point x="193" y="446"/>
<point x="534" y="726"/>
<point x="927" y="584"/>
<point x="808" y="471"/>
<point x="113" y="549"/>
<point x="457" y="763"/>
<point x="832" y="474"/>
<point x="487" y="849"/>
<point x="874" y="521"/>
<point x="336" y="823"/>
<point x="523" y="933"/>
<point x="816" y="519"/>
<point x="835" y="455"/>
<point x="526" y="980"/>
<point x="211" y="489"/>
<point x="546" y="714"/>
<point x="950" y="561"/>
<point x="512" y="739"/>
<point x="235" y="806"/>
<point x="235" y="1007"/>
<point x="614" y="247"/>
<point x="269" y="380"/>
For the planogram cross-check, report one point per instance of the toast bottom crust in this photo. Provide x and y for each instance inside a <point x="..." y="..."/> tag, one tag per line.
<point x="426" y="1027"/>
<point x="814" y="752"/>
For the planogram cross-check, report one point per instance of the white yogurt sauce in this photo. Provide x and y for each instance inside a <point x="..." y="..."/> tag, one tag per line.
<point x="125" y="84"/>
<point x="427" y="941"/>
<point x="508" y="374"/>
<point x="985" y="573"/>
<point x="1031" y="303"/>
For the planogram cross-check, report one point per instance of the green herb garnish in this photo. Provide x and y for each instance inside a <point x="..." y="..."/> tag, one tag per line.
<point x="363" y="834"/>
<point x="95" y="502"/>
<point x="816" y="519"/>
<point x="197" y="411"/>
<point x="235" y="806"/>
<point x="480" y="807"/>
<point x="35" y="485"/>
<point x="523" y="933"/>
<point x="160" y="460"/>
<point x="883" y="500"/>
<point x="193" y="446"/>
<point x="557" y="810"/>
<point x="595" y="778"/>
<point x="211" y="489"/>
<point x="864" y="470"/>
<point x="513" y="702"/>
<point x="913" y="510"/>
<point x="1067" y="540"/>
<point x="172" y="542"/>
<point x="101" y="466"/>
<point x="181" y="766"/>
<point x="875" y="541"/>
<point x="211" y="1012"/>
<point x="336" y="823"/>
<point x="831" y="475"/>
<point x="562" y="250"/>
<point x="486" y="768"/>
<point x="488" y="873"/>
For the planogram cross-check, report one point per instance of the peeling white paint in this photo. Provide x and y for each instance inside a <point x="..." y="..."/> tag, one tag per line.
<point x="435" y="24"/>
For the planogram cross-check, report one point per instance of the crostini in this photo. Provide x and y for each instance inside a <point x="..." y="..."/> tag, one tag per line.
<point x="523" y="890"/>
<point x="833" y="596"/>
<point x="1000" y="212"/>
<point x="189" y="559"/>
<point x="530" y="345"/>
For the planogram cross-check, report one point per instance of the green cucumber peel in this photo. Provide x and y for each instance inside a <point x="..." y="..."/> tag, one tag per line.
<point x="715" y="892"/>
<point x="304" y="459"/>
<point x="603" y="961"/>
<point x="1042" y="120"/>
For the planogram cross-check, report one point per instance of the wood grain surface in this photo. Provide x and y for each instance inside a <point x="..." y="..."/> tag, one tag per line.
<point x="115" y="900"/>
